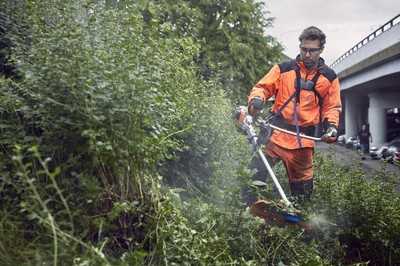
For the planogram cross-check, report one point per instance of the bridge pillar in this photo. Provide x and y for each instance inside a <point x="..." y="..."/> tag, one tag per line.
<point x="377" y="120"/>
<point x="352" y="114"/>
<point x="379" y="103"/>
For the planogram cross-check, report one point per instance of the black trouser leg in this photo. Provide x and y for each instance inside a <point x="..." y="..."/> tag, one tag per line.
<point x="302" y="190"/>
<point x="249" y="194"/>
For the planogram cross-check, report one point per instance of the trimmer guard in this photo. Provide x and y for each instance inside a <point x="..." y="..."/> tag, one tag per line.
<point x="272" y="213"/>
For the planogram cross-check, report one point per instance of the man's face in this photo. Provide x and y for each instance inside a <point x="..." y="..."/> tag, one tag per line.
<point x="310" y="51"/>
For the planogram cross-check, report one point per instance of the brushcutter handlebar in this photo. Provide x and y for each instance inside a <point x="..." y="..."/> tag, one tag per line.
<point x="301" y="135"/>
<point x="245" y="122"/>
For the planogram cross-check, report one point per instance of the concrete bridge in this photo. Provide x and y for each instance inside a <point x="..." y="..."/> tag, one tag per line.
<point x="369" y="74"/>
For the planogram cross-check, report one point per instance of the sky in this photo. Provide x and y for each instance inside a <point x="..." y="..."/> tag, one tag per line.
<point x="345" y="23"/>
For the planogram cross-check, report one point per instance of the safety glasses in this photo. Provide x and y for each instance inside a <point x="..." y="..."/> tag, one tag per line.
<point x="310" y="50"/>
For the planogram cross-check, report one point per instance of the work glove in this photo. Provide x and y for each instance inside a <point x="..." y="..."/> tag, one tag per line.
<point x="255" y="105"/>
<point x="330" y="134"/>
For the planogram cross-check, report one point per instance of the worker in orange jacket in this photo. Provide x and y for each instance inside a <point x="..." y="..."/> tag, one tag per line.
<point x="306" y="92"/>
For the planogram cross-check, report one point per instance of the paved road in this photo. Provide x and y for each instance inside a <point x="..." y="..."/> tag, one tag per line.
<point x="348" y="157"/>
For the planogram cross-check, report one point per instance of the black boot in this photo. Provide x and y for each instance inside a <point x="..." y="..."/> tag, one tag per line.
<point x="249" y="196"/>
<point x="302" y="190"/>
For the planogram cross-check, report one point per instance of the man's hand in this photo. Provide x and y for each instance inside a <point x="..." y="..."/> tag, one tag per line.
<point x="330" y="134"/>
<point x="255" y="105"/>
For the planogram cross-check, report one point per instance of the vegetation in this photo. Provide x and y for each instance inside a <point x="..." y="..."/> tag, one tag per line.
<point x="118" y="148"/>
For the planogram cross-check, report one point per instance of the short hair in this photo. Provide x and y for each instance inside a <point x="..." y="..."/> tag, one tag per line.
<point x="313" y="33"/>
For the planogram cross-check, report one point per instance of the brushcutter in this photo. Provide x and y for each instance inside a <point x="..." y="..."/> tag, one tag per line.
<point x="283" y="211"/>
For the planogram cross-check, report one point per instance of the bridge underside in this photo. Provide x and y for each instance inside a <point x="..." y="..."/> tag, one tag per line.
<point x="375" y="103"/>
<point x="369" y="74"/>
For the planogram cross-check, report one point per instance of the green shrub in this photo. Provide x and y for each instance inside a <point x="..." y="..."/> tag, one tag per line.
<point x="365" y="210"/>
<point x="104" y="100"/>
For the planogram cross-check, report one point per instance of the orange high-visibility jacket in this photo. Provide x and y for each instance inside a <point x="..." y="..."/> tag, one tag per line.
<point x="280" y="82"/>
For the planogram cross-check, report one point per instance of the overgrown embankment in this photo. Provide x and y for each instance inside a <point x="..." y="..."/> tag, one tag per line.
<point x="117" y="146"/>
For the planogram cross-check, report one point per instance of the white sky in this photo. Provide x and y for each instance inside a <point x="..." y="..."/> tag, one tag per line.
<point x="344" y="22"/>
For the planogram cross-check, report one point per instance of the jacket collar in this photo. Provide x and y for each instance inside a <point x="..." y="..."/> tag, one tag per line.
<point x="302" y="67"/>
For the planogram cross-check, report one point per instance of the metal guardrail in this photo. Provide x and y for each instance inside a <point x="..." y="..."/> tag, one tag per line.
<point x="394" y="21"/>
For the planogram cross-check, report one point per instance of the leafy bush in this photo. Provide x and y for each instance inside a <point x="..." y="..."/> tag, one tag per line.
<point x="366" y="212"/>
<point x="104" y="99"/>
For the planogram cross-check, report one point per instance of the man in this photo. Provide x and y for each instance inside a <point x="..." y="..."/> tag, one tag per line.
<point x="365" y="138"/>
<point x="306" y="92"/>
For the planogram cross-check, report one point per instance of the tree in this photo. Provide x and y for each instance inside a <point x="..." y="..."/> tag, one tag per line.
<point x="234" y="48"/>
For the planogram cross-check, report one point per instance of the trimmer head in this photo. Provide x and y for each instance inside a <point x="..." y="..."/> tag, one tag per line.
<point x="273" y="213"/>
<point x="292" y="218"/>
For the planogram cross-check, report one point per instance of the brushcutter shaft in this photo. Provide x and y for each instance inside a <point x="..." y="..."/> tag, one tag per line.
<point x="252" y="136"/>
<point x="272" y="174"/>
<point x="261" y="208"/>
